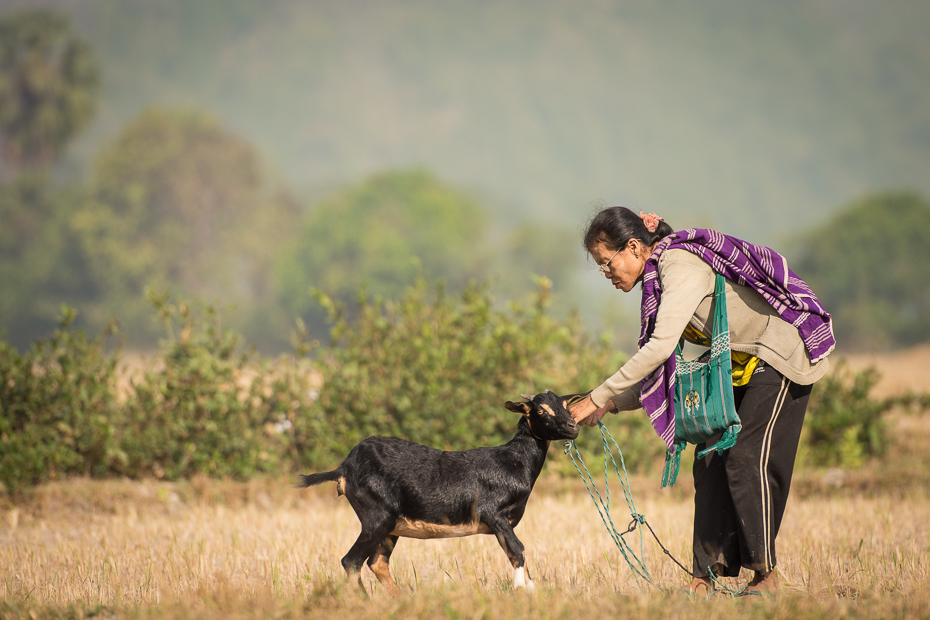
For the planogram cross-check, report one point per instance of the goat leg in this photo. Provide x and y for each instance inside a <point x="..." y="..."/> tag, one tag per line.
<point x="379" y="563"/>
<point x="366" y="545"/>
<point x="514" y="549"/>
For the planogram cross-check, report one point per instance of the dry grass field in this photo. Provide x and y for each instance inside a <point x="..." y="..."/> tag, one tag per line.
<point x="854" y="545"/>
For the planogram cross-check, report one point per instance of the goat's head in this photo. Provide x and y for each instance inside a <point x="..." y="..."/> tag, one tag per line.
<point x="548" y="416"/>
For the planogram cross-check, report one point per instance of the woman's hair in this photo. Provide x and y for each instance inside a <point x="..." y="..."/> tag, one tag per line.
<point x="615" y="226"/>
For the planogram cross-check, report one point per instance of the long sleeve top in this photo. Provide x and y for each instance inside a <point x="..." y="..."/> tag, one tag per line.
<point x="687" y="297"/>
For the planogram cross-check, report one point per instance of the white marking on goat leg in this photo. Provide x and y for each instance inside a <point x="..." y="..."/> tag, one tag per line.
<point x="521" y="579"/>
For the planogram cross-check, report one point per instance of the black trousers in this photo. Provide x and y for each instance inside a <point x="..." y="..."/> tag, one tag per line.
<point x="740" y="496"/>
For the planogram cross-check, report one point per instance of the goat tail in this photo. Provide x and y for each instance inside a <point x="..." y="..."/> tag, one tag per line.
<point x="313" y="479"/>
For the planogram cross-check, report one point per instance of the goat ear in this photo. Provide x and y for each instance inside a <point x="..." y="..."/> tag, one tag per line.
<point x="521" y="408"/>
<point x="571" y="399"/>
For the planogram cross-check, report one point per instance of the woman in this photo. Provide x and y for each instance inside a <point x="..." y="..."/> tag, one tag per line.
<point x="780" y="337"/>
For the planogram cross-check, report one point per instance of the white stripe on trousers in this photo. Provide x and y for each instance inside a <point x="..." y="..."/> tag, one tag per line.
<point x="763" y="473"/>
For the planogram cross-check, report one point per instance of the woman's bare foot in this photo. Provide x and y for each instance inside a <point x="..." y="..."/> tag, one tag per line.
<point x="702" y="586"/>
<point x="764" y="583"/>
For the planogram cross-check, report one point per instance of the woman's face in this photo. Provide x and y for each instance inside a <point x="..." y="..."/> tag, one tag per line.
<point x="625" y="269"/>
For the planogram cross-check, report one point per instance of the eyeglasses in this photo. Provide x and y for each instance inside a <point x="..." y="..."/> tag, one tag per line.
<point x="605" y="267"/>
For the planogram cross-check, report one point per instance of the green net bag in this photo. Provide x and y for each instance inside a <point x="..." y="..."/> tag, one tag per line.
<point x="704" y="406"/>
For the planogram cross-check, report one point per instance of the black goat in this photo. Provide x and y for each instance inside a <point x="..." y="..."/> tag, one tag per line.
<point x="400" y="488"/>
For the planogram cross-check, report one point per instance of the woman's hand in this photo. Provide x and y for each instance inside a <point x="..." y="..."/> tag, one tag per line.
<point x="586" y="413"/>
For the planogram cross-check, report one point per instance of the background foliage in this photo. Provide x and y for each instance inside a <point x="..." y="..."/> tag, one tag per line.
<point x="437" y="369"/>
<point x="179" y="201"/>
<point x="58" y="409"/>
<point x="41" y="259"/>
<point x="430" y="367"/>
<point x="870" y="266"/>
<point x="844" y="425"/>
<point x="49" y="83"/>
<point x="383" y="233"/>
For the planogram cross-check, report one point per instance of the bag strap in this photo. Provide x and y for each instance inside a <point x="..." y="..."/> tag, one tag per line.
<point x="721" y="323"/>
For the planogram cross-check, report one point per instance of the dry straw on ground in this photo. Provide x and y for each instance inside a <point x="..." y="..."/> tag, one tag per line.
<point x="146" y="547"/>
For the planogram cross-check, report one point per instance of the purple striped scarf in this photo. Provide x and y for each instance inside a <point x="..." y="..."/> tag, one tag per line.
<point x="751" y="265"/>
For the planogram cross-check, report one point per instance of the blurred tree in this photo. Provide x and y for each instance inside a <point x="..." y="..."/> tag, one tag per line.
<point x="870" y="266"/>
<point x="179" y="202"/>
<point x="49" y="81"/>
<point x="41" y="261"/>
<point x="381" y="234"/>
<point x="540" y="249"/>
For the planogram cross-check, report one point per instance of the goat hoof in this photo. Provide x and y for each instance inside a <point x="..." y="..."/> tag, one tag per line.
<point x="522" y="580"/>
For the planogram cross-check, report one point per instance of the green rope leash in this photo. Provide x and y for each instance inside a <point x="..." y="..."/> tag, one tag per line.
<point x="603" y="507"/>
<point x="637" y="564"/>
<point x="729" y="591"/>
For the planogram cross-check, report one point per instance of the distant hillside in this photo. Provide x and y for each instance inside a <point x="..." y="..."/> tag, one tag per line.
<point x="756" y="117"/>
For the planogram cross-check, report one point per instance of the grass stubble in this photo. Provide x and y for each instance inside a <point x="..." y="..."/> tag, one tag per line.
<point x="261" y="549"/>
<point x="852" y="545"/>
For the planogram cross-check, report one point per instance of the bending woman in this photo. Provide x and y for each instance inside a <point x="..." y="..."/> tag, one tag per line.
<point x="780" y="337"/>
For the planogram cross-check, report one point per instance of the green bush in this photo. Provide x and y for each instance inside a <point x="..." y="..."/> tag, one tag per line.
<point x="58" y="408"/>
<point x="428" y="367"/>
<point x="844" y="424"/>
<point x="206" y="410"/>
<point x="437" y="369"/>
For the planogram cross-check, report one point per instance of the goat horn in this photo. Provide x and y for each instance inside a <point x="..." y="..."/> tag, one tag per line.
<point x="526" y="396"/>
